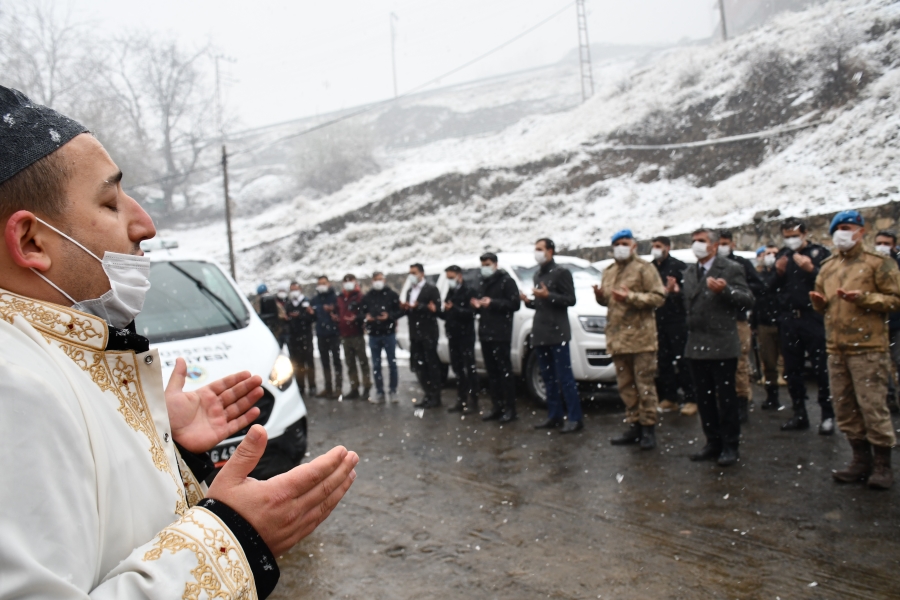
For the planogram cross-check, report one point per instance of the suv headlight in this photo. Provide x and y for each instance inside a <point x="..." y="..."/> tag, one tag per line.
<point x="282" y="372"/>
<point x="593" y="324"/>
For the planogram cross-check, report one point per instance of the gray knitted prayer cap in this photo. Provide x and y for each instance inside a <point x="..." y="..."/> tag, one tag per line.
<point x="29" y="132"/>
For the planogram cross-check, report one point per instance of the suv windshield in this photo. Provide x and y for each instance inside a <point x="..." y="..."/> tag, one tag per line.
<point x="580" y="275"/>
<point x="189" y="299"/>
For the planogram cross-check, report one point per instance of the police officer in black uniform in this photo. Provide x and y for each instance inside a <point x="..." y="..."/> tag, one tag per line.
<point x="673" y="370"/>
<point x="459" y="324"/>
<point x="801" y="329"/>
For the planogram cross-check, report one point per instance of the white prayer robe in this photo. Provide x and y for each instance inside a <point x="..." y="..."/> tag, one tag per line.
<point x="94" y="500"/>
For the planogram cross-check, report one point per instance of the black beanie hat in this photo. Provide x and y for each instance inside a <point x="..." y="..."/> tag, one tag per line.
<point x="29" y="132"/>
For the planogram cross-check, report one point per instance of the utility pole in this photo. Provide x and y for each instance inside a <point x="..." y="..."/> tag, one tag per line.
<point x="584" y="53"/>
<point x="722" y="19"/>
<point x="228" y="211"/>
<point x="394" y="18"/>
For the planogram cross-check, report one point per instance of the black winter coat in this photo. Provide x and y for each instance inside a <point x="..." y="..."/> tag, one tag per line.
<point x="496" y="321"/>
<point x="325" y="325"/>
<point x="300" y="322"/>
<point x="376" y="302"/>
<point x="754" y="282"/>
<point x="794" y="286"/>
<point x="671" y="314"/>
<point x="423" y="323"/>
<point x="765" y="310"/>
<point x="459" y="320"/>
<point x="551" y="314"/>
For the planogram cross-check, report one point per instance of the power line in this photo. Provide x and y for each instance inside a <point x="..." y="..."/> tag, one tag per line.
<point x="375" y="105"/>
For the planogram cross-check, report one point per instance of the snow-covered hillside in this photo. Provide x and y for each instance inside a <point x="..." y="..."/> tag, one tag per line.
<point x="554" y="174"/>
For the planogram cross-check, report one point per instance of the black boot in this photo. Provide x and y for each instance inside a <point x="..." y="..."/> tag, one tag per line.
<point x="508" y="416"/>
<point x="572" y="427"/>
<point x="729" y="455"/>
<point x="648" y="437"/>
<point x="632" y="436"/>
<point x="771" y="402"/>
<point x="550" y="424"/>
<point x="471" y="407"/>
<point x="711" y="451"/>
<point x="743" y="409"/>
<point x="800" y="420"/>
<point x="494" y="415"/>
<point x="353" y="395"/>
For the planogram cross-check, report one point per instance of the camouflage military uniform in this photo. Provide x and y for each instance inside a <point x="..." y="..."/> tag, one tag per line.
<point x="631" y="334"/>
<point x="857" y="341"/>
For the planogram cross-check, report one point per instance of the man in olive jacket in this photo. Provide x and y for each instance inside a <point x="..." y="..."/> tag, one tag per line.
<point x="715" y="290"/>
<point x="856" y="289"/>
<point x="554" y="293"/>
<point x="632" y="291"/>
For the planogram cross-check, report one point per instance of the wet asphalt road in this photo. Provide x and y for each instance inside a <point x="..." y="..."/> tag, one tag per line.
<point x="451" y="508"/>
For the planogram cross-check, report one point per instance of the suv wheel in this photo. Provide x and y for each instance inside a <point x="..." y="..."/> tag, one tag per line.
<point x="534" y="383"/>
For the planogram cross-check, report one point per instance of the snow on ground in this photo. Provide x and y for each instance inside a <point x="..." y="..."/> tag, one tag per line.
<point x="850" y="159"/>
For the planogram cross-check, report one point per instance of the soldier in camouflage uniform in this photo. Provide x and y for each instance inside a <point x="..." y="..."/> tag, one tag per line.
<point x="633" y="291"/>
<point x="855" y="289"/>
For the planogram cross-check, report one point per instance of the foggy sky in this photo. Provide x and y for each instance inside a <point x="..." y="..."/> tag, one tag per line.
<point x="299" y="58"/>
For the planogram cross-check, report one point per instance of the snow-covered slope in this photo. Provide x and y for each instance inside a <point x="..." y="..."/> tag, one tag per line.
<point x="554" y="174"/>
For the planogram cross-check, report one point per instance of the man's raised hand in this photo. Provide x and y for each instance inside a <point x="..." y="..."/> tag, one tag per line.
<point x="203" y="418"/>
<point x="286" y="508"/>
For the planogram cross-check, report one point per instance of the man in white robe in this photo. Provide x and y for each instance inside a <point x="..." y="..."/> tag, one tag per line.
<point x="99" y="464"/>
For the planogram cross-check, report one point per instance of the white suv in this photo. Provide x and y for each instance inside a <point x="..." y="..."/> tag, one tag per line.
<point x="590" y="361"/>
<point x="195" y="311"/>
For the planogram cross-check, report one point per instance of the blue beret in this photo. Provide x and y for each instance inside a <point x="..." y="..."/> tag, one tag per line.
<point x="760" y="250"/>
<point x="846" y="216"/>
<point x="621" y="235"/>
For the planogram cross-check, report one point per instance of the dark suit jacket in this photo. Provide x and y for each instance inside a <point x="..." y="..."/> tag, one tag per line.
<point x="711" y="317"/>
<point x="423" y="323"/>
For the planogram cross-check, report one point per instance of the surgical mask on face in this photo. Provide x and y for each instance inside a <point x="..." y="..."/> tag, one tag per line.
<point x="282" y="295"/>
<point x="656" y="253"/>
<point x="452" y="283"/>
<point x="322" y="289"/>
<point x="295" y="294"/>
<point x="487" y="271"/>
<point x="412" y="279"/>
<point x="843" y="240"/>
<point x="349" y="286"/>
<point x="769" y="260"/>
<point x="724" y="251"/>
<point x="700" y="250"/>
<point x="793" y="243"/>
<point x="540" y="257"/>
<point x="883" y="249"/>
<point x="621" y="253"/>
<point x="378" y="285"/>
<point x="128" y="280"/>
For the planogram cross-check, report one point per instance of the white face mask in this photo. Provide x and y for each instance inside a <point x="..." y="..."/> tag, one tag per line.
<point x="843" y="240"/>
<point x="349" y="286"/>
<point x="412" y="279"/>
<point x="700" y="250"/>
<point x="451" y="283"/>
<point x="322" y="289"/>
<point x="295" y="294"/>
<point x="883" y="249"/>
<point x="378" y="285"/>
<point x="656" y="253"/>
<point x="794" y="243"/>
<point x="540" y="257"/>
<point x="724" y="251"/>
<point x="769" y="260"/>
<point x="128" y="280"/>
<point x="487" y="271"/>
<point x="282" y="295"/>
<point x="621" y="253"/>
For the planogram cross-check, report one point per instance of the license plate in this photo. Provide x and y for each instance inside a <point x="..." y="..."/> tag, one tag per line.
<point x="220" y="455"/>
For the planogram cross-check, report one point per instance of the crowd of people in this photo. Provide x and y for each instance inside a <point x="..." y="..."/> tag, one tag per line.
<point x="682" y="337"/>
